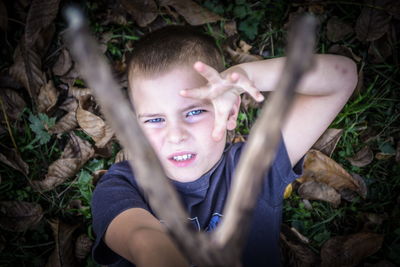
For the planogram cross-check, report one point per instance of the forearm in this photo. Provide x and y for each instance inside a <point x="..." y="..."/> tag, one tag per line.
<point x="155" y="248"/>
<point x="329" y="75"/>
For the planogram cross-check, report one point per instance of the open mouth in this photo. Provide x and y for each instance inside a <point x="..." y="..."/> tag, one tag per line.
<point x="182" y="159"/>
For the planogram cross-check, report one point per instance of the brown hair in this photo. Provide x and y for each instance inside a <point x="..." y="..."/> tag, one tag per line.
<point x="172" y="46"/>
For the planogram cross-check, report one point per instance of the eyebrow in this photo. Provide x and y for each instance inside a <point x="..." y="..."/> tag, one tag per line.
<point x="151" y="115"/>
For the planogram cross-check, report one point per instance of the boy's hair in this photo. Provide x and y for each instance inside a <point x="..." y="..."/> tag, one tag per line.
<point x="173" y="46"/>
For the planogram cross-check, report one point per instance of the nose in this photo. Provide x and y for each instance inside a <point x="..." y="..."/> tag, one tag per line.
<point x="176" y="133"/>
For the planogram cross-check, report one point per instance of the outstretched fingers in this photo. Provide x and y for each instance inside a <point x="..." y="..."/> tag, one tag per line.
<point x="243" y="82"/>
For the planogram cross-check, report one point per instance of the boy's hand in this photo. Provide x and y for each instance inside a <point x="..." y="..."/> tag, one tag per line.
<point x="223" y="91"/>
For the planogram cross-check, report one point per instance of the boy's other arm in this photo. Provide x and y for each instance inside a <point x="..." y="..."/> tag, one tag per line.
<point x="321" y="94"/>
<point x="139" y="237"/>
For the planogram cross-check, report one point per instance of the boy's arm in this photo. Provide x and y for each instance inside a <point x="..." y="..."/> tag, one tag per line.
<point x="321" y="94"/>
<point x="139" y="237"/>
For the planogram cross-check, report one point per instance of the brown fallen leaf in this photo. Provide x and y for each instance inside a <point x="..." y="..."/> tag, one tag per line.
<point x="313" y="190"/>
<point x="344" y="51"/>
<point x="328" y="141"/>
<point x="48" y="96"/>
<point x="41" y="15"/>
<point x="63" y="254"/>
<point x="372" y="23"/>
<point x="75" y="154"/>
<point x="67" y="123"/>
<point x="362" y="158"/>
<point x="383" y="156"/>
<point x="380" y="49"/>
<point x="337" y="30"/>
<point x="398" y="152"/>
<point x="350" y="195"/>
<point x="295" y="251"/>
<point x="19" y="216"/>
<point x="13" y="159"/>
<point x="349" y="250"/>
<point x="13" y="104"/>
<point x="83" y="246"/>
<point x="63" y="64"/>
<point x="97" y="175"/>
<point x="78" y="92"/>
<point x="319" y="167"/>
<point x="230" y="28"/>
<point x="121" y="156"/>
<point x="241" y="57"/>
<point x="69" y="104"/>
<point x="70" y="77"/>
<point x="143" y="11"/>
<point x="193" y="13"/>
<point x="93" y="125"/>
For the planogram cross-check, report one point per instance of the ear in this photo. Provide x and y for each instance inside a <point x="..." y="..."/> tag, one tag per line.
<point x="231" y="123"/>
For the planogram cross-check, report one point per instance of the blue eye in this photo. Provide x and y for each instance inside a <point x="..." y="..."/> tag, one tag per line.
<point x="195" y="112"/>
<point x="156" y="120"/>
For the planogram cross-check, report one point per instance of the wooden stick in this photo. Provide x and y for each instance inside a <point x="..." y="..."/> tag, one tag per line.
<point x="261" y="147"/>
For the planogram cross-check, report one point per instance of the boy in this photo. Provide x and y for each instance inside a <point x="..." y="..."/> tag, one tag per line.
<point x="185" y="103"/>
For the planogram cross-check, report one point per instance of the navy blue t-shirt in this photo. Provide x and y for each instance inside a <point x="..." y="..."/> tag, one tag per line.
<point x="204" y="200"/>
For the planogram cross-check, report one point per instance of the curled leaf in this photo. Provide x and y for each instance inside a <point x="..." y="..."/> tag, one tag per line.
<point x="47" y="98"/>
<point x="295" y="251"/>
<point x="328" y="141"/>
<point x="83" y="246"/>
<point x="313" y="190"/>
<point x="349" y="250"/>
<point x="63" y="64"/>
<point x="93" y="125"/>
<point x="63" y="254"/>
<point x="13" y="104"/>
<point x="372" y="23"/>
<point x="193" y="13"/>
<point x="362" y="158"/>
<point x="143" y="12"/>
<point x="74" y="156"/>
<point x="19" y="216"/>
<point x="319" y="167"/>
<point x="67" y="123"/>
<point x="13" y="159"/>
<point x="337" y="30"/>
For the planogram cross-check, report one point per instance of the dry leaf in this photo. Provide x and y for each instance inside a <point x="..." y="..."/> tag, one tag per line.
<point x="398" y="152"/>
<point x="97" y="175"/>
<point x="344" y="51"/>
<point x="67" y="123"/>
<point x="70" y="77"/>
<point x="13" y="104"/>
<point x="41" y="15"/>
<point x="78" y="92"/>
<point x="3" y="17"/>
<point x="380" y="50"/>
<point x="69" y="104"/>
<point x="362" y="158"/>
<point x="93" y="125"/>
<point x="48" y="96"/>
<point x="295" y="251"/>
<point x="63" y="254"/>
<point x="121" y="156"/>
<point x="74" y="156"/>
<point x="83" y="246"/>
<point x="319" y="167"/>
<point x="288" y="191"/>
<point x="17" y="70"/>
<point x="63" y="64"/>
<point x="349" y="250"/>
<point x="241" y="57"/>
<point x="350" y="195"/>
<point x="13" y="159"/>
<point x="19" y="216"/>
<point x="328" y="141"/>
<point x="193" y="13"/>
<point x="313" y="190"/>
<point x="383" y="156"/>
<point x="230" y="28"/>
<point x="372" y="23"/>
<point x="337" y="30"/>
<point x="143" y="11"/>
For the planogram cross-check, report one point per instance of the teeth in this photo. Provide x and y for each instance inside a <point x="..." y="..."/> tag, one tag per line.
<point x="183" y="157"/>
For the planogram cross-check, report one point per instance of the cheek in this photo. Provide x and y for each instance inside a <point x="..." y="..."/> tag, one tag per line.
<point x="153" y="135"/>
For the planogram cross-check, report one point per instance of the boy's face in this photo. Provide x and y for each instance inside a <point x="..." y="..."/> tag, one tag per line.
<point x="178" y="128"/>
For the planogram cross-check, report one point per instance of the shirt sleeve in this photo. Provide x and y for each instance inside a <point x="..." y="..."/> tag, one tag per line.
<point x="280" y="175"/>
<point x="116" y="192"/>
